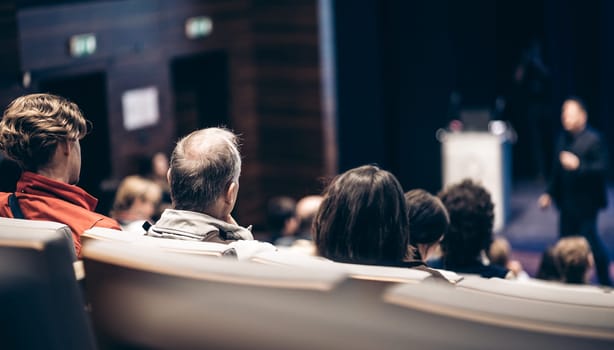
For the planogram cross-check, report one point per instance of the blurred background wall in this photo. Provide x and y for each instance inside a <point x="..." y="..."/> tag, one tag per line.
<point x="399" y="70"/>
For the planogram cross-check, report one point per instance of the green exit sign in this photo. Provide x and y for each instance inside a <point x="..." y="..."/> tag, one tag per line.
<point x="198" y="27"/>
<point x="82" y="45"/>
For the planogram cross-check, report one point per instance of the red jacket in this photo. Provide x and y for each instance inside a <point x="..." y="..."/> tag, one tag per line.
<point x="41" y="198"/>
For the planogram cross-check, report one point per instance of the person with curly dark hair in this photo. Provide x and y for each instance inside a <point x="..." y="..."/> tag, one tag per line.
<point x="470" y="232"/>
<point x="363" y="219"/>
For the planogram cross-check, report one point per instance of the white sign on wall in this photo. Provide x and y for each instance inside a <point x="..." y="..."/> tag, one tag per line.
<point x="140" y="107"/>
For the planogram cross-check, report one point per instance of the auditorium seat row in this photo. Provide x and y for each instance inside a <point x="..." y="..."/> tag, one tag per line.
<point x="141" y="295"/>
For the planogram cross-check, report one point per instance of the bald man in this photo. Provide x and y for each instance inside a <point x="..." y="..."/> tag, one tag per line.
<point x="577" y="184"/>
<point x="204" y="181"/>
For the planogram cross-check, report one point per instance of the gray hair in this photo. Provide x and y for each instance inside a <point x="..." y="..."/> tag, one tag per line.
<point x="202" y="166"/>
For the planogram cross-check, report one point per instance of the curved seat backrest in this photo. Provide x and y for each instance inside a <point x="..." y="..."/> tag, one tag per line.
<point x="10" y="226"/>
<point x="173" y="245"/>
<point x="148" y="298"/>
<point x="152" y="298"/>
<point x="42" y="306"/>
<point x="510" y="312"/>
<point x="356" y="271"/>
<point x="552" y="292"/>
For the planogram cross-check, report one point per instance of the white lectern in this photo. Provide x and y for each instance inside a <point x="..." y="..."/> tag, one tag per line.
<point x="483" y="157"/>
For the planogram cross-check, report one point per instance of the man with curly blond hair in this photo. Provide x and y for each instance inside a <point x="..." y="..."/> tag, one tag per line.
<point x="41" y="132"/>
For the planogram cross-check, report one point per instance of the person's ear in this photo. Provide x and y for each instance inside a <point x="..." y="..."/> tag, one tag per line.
<point x="168" y="175"/>
<point x="231" y="193"/>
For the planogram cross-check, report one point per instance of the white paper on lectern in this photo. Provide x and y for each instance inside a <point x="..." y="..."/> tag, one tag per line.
<point x="140" y="108"/>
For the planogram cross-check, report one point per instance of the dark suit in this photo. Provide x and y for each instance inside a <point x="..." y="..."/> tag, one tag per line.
<point x="579" y="194"/>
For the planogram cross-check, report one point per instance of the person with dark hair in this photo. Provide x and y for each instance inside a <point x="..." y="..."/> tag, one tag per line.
<point x="428" y="222"/>
<point x="204" y="180"/>
<point x="281" y="221"/>
<point x="363" y="219"/>
<point x="41" y="133"/>
<point x="470" y="232"/>
<point x="547" y="267"/>
<point x="577" y="185"/>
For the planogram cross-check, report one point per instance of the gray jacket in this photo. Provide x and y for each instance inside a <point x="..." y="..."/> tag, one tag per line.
<point x="194" y="226"/>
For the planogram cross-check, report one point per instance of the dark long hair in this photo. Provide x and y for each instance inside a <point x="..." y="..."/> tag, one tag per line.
<point x="363" y="218"/>
<point x="428" y="217"/>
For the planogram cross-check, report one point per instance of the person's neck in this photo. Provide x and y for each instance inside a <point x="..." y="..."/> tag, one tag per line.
<point x="53" y="174"/>
<point x="214" y="212"/>
<point x="577" y="131"/>
<point x="423" y="249"/>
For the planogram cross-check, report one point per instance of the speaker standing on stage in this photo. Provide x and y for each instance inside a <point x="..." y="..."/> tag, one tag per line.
<point x="577" y="184"/>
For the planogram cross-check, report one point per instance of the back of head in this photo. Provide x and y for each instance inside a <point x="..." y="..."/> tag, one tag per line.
<point x="203" y="165"/>
<point x="33" y="125"/>
<point x="132" y="188"/>
<point x="279" y="210"/>
<point x="428" y="218"/>
<point x="547" y="269"/>
<point x="363" y="218"/>
<point x="499" y="251"/>
<point x="471" y="221"/>
<point x="573" y="259"/>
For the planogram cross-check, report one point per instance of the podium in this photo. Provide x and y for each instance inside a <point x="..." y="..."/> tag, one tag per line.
<point x="483" y="157"/>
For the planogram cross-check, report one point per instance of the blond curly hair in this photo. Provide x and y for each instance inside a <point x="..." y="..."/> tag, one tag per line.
<point x="33" y="125"/>
<point x="131" y="188"/>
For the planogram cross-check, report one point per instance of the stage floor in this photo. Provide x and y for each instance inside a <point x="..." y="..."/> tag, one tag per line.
<point x="530" y="230"/>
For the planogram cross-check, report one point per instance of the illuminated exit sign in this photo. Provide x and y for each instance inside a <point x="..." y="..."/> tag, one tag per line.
<point x="198" y="27"/>
<point x="82" y="45"/>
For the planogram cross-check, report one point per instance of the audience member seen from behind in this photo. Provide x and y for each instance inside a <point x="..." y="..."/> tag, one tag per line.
<point x="136" y="201"/>
<point x="281" y="221"/>
<point x="470" y="232"/>
<point x="573" y="259"/>
<point x="428" y="222"/>
<point x="500" y="253"/>
<point x="547" y="267"/>
<point x="306" y="210"/>
<point x="204" y="180"/>
<point x="363" y="219"/>
<point x="41" y="132"/>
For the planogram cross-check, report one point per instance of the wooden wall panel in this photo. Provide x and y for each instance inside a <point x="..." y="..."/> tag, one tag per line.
<point x="120" y="27"/>
<point x="272" y="50"/>
<point x="8" y="44"/>
<point x="286" y="57"/>
<point x="128" y="147"/>
<point x="229" y="25"/>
